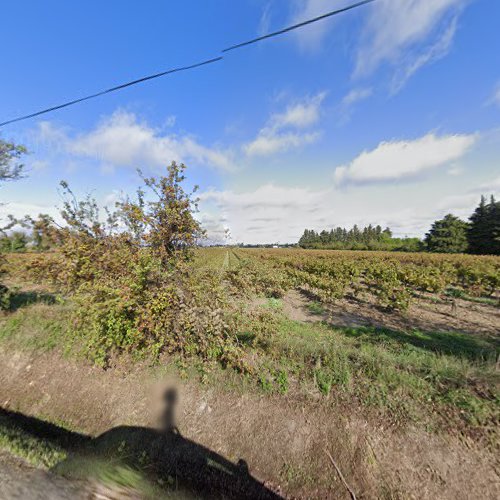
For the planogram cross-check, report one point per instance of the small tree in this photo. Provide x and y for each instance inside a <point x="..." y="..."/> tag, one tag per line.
<point x="165" y="224"/>
<point x="10" y="169"/>
<point x="131" y="277"/>
<point x="448" y="235"/>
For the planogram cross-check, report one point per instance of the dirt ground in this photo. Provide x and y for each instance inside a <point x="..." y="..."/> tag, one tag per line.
<point x="283" y="441"/>
<point x="467" y="317"/>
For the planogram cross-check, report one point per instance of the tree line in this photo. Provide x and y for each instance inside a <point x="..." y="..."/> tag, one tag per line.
<point x="480" y="235"/>
<point x="367" y="238"/>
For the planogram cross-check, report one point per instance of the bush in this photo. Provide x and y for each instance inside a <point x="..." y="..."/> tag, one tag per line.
<point x="132" y="278"/>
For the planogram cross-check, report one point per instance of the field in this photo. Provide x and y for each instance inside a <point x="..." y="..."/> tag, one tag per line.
<point x="384" y="365"/>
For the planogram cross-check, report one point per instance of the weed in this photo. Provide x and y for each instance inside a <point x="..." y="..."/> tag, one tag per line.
<point x="316" y="308"/>
<point x="282" y="381"/>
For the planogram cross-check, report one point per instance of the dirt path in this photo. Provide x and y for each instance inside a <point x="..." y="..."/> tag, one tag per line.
<point x="284" y="442"/>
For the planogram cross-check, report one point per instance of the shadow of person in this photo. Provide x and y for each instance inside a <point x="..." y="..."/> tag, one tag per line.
<point x="166" y="457"/>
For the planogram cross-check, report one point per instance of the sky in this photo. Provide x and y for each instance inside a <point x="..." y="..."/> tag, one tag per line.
<point x="387" y="114"/>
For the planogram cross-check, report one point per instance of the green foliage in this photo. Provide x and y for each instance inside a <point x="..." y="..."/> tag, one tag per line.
<point x="368" y="238"/>
<point x="15" y="242"/>
<point x="136" y="288"/>
<point x="10" y="167"/>
<point x="409" y="376"/>
<point x="448" y="235"/>
<point x="393" y="279"/>
<point x="5" y="297"/>
<point x="10" y="170"/>
<point x="484" y="232"/>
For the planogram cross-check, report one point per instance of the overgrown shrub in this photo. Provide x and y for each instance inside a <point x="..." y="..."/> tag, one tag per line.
<point x="132" y="279"/>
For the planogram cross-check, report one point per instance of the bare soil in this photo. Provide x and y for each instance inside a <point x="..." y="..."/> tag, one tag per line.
<point x="423" y="314"/>
<point x="283" y="440"/>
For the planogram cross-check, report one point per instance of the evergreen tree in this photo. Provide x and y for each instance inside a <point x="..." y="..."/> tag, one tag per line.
<point x="484" y="232"/>
<point x="448" y="235"/>
<point x="495" y="227"/>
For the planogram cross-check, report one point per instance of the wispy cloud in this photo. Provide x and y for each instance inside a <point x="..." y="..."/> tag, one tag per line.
<point x="310" y="37"/>
<point x="350" y="100"/>
<point x="407" y="34"/>
<point x="356" y="95"/>
<point x="267" y="144"/>
<point x="437" y="50"/>
<point x="286" y="130"/>
<point x="397" y="160"/>
<point x="265" y="20"/>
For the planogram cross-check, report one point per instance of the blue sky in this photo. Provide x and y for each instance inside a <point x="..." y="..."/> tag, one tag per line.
<point x="387" y="114"/>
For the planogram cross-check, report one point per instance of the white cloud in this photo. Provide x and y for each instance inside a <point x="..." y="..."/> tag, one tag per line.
<point x="276" y="213"/>
<point x="20" y="209"/>
<point x="464" y="204"/>
<point x="356" y="95"/>
<point x="270" y="213"/>
<point x="121" y="140"/>
<point x="300" y="114"/>
<point x="310" y="37"/>
<point x="407" y="34"/>
<point x="280" y="133"/>
<point x="404" y="159"/>
<point x="267" y="144"/>
<point x="353" y="97"/>
<point x="434" y="52"/>
<point x="455" y="170"/>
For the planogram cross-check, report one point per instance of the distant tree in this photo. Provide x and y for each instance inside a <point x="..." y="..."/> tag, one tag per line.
<point x="357" y="238"/>
<point x="44" y="233"/>
<point x="18" y="241"/>
<point x="387" y="233"/>
<point x="484" y="232"/>
<point x="448" y="235"/>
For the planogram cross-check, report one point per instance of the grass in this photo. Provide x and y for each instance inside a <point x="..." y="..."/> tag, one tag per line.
<point x="316" y="308"/>
<point x="35" y="450"/>
<point x="40" y="326"/>
<point x="423" y="377"/>
<point x="411" y="376"/>
<point x="458" y="293"/>
<point x="49" y="446"/>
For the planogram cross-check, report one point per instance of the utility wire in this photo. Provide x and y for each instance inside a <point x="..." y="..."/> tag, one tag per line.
<point x="186" y="68"/>
<point x="113" y="89"/>
<point x="299" y="25"/>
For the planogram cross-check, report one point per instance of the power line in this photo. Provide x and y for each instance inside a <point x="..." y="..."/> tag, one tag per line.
<point x="112" y="89"/>
<point x="186" y="68"/>
<point x="299" y="25"/>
